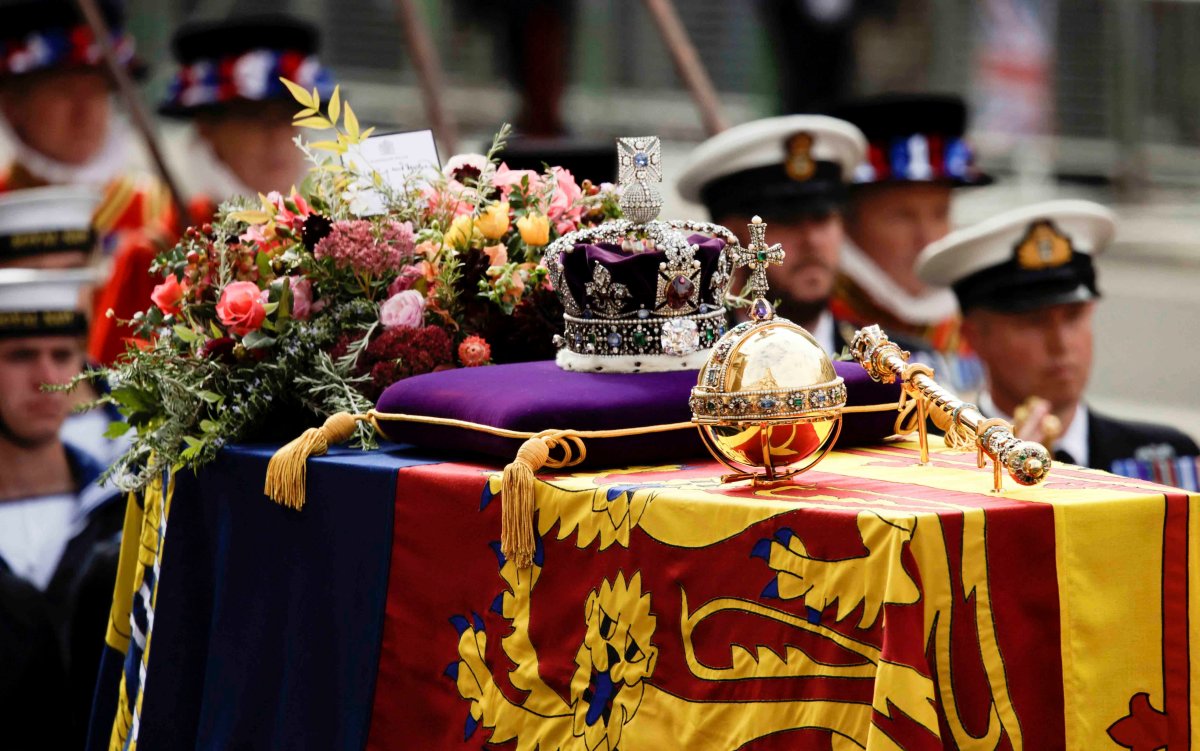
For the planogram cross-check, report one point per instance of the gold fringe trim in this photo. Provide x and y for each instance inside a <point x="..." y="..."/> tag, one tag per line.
<point x="287" y="472"/>
<point x="286" y="482"/>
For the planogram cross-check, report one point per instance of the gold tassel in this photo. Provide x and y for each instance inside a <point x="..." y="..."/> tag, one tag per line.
<point x="516" y="500"/>
<point x="287" y="472"/>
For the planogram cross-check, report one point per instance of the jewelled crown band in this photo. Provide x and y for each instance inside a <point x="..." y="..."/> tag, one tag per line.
<point x="641" y="294"/>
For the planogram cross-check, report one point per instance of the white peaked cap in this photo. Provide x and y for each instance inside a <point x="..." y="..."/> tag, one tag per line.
<point x="1089" y="226"/>
<point x="55" y="207"/>
<point x="761" y="143"/>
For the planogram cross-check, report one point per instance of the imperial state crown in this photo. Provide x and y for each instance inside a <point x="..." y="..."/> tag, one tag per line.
<point x="639" y="294"/>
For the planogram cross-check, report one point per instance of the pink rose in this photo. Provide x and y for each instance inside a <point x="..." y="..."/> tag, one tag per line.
<point x="168" y="295"/>
<point x="406" y="279"/>
<point x="301" y="297"/>
<point x="240" y="308"/>
<point x="405" y="308"/>
<point x="564" y="209"/>
<point x="508" y="179"/>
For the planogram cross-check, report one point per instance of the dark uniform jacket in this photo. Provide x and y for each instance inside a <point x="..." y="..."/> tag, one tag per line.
<point x="1110" y="440"/>
<point x="40" y="666"/>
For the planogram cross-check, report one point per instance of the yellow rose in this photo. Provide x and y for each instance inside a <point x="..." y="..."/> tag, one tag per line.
<point x="535" y="229"/>
<point x="493" y="222"/>
<point x="459" y="234"/>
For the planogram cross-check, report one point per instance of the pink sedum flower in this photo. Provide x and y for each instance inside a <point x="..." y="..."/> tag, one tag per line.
<point x="354" y="245"/>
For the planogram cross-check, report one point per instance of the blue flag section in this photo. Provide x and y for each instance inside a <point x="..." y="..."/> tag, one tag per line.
<point x="232" y="668"/>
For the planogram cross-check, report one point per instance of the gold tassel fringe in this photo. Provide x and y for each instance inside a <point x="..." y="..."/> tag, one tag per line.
<point x="287" y="472"/>
<point x="516" y="498"/>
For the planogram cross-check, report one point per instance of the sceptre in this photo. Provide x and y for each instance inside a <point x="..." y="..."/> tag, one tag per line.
<point x="1027" y="462"/>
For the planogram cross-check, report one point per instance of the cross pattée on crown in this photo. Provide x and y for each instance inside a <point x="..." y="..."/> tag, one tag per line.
<point x="639" y="159"/>
<point x="757" y="256"/>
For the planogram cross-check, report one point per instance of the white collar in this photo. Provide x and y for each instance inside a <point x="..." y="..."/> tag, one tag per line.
<point x="112" y="159"/>
<point x="823" y="331"/>
<point x="1074" y="440"/>
<point x="207" y="175"/>
<point x="930" y="307"/>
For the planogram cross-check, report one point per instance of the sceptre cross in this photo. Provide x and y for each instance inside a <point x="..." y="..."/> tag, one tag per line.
<point x="757" y="257"/>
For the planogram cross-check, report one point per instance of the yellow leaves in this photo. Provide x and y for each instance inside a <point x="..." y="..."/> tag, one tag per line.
<point x="334" y="146"/>
<point x="317" y="122"/>
<point x="300" y="95"/>
<point x="335" y="105"/>
<point x="310" y="117"/>
<point x="250" y="216"/>
<point x="351" y="125"/>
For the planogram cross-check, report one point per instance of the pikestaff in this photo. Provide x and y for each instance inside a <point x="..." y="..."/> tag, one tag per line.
<point x="128" y="94"/>
<point x="688" y="64"/>
<point x="429" y="73"/>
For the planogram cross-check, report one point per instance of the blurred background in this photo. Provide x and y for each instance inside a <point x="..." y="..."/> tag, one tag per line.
<point x="1096" y="99"/>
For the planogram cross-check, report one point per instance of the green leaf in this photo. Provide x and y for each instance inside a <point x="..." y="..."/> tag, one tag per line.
<point x="210" y="397"/>
<point x="194" y="447"/>
<point x="264" y="265"/>
<point x="257" y="340"/>
<point x="117" y="429"/>
<point x="216" y="330"/>
<point x="209" y="426"/>
<point x="270" y="307"/>
<point x="185" y="334"/>
<point x="285" y="300"/>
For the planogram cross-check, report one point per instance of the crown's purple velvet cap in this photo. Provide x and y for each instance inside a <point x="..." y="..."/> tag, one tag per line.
<point x="637" y="271"/>
<point x="535" y="396"/>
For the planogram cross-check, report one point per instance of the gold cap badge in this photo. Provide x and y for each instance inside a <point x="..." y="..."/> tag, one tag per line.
<point x="1043" y="247"/>
<point x="800" y="165"/>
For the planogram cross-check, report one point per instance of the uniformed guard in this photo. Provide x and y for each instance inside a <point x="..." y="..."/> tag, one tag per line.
<point x="900" y="202"/>
<point x="228" y="86"/>
<point x="53" y="513"/>
<point x="792" y="171"/>
<point x="57" y="114"/>
<point x="1026" y="283"/>
<point x="51" y="228"/>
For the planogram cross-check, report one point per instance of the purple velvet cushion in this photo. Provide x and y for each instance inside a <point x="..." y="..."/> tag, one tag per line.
<point x="536" y="396"/>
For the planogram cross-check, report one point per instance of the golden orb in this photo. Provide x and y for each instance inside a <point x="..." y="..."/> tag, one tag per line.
<point x="768" y="402"/>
